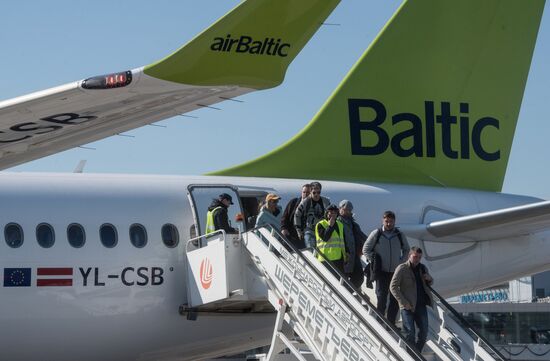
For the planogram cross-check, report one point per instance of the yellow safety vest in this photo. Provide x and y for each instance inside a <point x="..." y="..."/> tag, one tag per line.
<point x="335" y="248"/>
<point x="210" y="227"/>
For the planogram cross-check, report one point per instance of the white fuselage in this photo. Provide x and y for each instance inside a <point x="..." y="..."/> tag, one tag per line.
<point x="123" y="301"/>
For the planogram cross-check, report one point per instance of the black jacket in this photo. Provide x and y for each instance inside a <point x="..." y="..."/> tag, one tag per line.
<point x="221" y="220"/>
<point x="373" y="269"/>
<point x="287" y="222"/>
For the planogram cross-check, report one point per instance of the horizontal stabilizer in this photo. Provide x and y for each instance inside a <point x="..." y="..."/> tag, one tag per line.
<point x="499" y="224"/>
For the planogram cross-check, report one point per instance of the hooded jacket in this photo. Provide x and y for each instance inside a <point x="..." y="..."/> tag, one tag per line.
<point x="221" y="220"/>
<point x="266" y="217"/>
<point x="392" y="254"/>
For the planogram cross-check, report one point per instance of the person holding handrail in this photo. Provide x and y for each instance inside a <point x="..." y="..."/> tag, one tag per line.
<point x="409" y="285"/>
<point x="309" y="212"/>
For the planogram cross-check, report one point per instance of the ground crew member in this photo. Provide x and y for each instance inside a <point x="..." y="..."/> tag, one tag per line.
<point x="329" y="235"/>
<point x="216" y="217"/>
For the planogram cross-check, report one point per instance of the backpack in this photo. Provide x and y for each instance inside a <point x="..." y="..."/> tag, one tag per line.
<point x="372" y="270"/>
<point x="379" y="234"/>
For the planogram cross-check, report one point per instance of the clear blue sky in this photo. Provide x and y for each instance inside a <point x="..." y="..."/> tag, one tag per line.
<point x="48" y="43"/>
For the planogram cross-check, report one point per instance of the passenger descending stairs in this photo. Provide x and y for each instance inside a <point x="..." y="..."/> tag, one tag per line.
<point x="337" y="322"/>
<point x="327" y="317"/>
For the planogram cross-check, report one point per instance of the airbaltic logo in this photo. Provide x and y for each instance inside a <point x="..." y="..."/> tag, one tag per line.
<point x="206" y="273"/>
<point x="246" y="44"/>
<point x="421" y="131"/>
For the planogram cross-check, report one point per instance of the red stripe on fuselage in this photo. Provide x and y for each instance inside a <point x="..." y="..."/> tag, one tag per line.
<point x="55" y="271"/>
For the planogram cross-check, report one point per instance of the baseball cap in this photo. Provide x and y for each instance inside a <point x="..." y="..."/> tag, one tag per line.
<point x="272" y="197"/>
<point x="223" y="196"/>
<point x="332" y="207"/>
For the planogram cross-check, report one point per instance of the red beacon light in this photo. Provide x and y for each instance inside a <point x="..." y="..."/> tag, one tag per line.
<point x="109" y="81"/>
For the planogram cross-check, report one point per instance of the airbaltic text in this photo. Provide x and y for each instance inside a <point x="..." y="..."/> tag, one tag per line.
<point x="246" y="44"/>
<point x="421" y="131"/>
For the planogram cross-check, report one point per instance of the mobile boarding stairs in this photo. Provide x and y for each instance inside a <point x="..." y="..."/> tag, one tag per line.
<point x="319" y="316"/>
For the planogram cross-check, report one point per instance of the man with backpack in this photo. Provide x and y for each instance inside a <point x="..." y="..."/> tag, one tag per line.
<point x="388" y="247"/>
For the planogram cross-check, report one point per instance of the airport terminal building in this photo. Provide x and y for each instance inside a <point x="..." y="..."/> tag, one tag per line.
<point x="514" y="316"/>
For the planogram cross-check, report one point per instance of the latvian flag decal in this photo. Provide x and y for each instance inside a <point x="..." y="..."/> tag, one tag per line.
<point x="47" y="276"/>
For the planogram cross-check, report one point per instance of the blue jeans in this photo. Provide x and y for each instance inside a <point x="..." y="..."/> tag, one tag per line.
<point x="309" y="239"/>
<point x="420" y="318"/>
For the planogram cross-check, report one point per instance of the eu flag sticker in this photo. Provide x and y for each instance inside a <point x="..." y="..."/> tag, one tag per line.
<point x="17" y="277"/>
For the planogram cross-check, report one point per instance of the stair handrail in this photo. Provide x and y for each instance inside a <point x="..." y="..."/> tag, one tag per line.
<point x="343" y="280"/>
<point x="468" y="327"/>
<point x="196" y="240"/>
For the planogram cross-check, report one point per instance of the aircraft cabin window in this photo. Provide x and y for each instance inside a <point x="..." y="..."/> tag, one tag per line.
<point x="13" y="234"/>
<point x="45" y="235"/>
<point x="108" y="235"/>
<point x="170" y="235"/>
<point x="76" y="235"/>
<point x="138" y="235"/>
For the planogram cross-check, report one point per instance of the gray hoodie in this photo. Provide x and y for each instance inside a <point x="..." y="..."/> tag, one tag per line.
<point x="388" y="247"/>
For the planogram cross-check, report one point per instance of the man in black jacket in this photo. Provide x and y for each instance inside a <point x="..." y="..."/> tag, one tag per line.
<point x="287" y="221"/>
<point x="355" y="238"/>
<point x="216" y="218"/>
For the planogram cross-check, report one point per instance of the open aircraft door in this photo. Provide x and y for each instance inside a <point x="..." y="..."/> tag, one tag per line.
<point x="201" y="196"/>
<point x="214" y="261"/>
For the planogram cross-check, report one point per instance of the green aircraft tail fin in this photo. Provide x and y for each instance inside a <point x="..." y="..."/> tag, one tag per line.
<point x="251" y="46"/>
<point x="433" y="101"/>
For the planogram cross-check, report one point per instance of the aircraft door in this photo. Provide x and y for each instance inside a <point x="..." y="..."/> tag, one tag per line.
<point x="202" y="196"/>
<point x="214" y="262"/>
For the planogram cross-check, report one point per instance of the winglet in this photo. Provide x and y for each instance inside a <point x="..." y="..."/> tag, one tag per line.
<point x="251" y="46"/>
